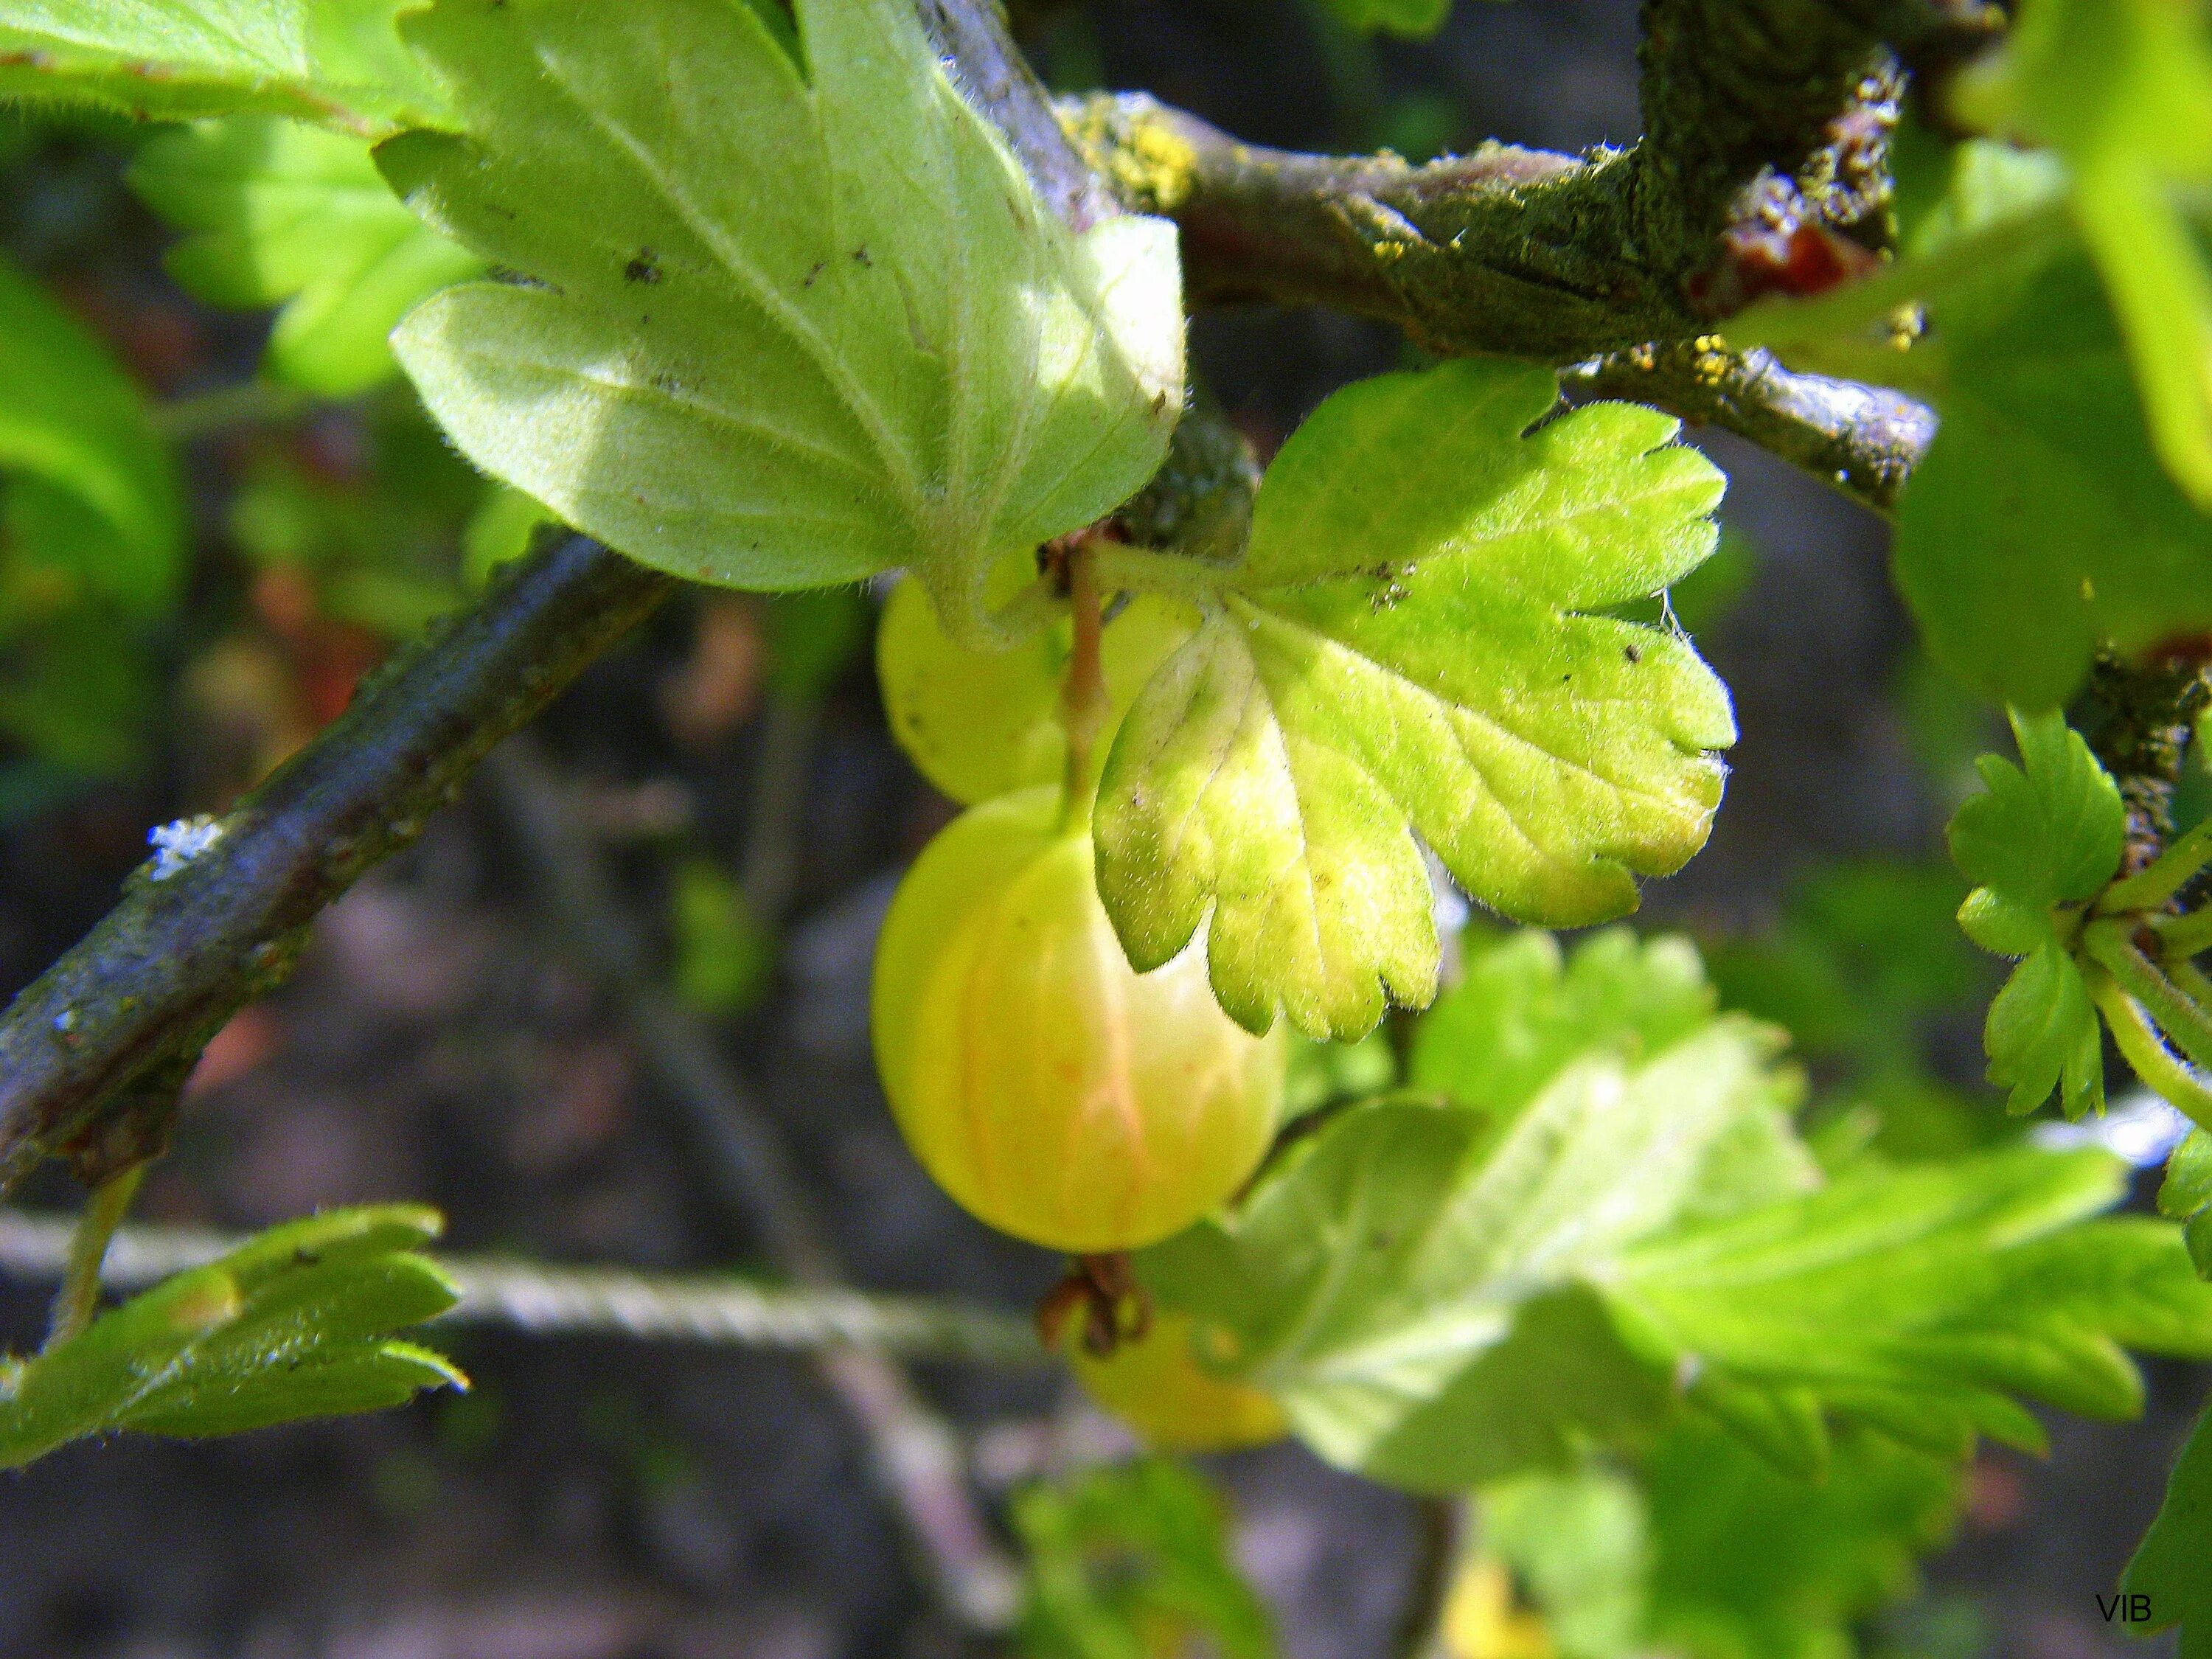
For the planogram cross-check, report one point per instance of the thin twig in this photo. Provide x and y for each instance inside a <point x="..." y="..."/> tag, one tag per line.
<point x="249" y="402"/>
<point x="917" y="1456"/>
<point x="84" y="1251"/>
<point x="768" y="878"/>
<point x="218" y="918"/>
<point x="553" y="1301"/>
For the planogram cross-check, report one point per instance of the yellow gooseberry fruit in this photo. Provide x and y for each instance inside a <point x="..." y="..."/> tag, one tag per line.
<point x="1156" y="1386"/>
<point x="1053" y="1092"/>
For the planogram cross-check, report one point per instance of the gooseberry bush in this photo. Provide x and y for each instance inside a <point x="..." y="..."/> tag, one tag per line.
<point x="1562" y="1231"/>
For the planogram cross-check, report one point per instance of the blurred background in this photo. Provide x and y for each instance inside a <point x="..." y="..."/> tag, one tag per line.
<point x="452" y="1036"/>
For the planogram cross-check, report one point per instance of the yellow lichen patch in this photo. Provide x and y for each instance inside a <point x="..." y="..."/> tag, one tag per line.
<point x="1150" y="166"/>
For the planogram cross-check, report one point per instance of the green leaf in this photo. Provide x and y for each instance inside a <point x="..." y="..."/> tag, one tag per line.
<point x="1523" y="1011"/>
<point x="2041" y="522"/>
<point x="282" y="214"/>
<point x="1132" y="1562"/>
<point x="294" y="1323"/>
<point x="2049" y="832"/>
<point x="1409" y="1281"/>
<point x="2122" y="92"/>
<point x="92" y="492"/>
<point x="77" y="688"/>
<point x="2042" y="1036"/>
<point x="2169" y="1568"/>
<point x="338" y="61"/>
<point x="2186" y="1195"/>
<point x="2044" y="839"/>
<point x="1827" y="1555"/>
<point x="1412" y="647"/>
<point x="777" y="333"/>
<point x="1920" y="1301"/>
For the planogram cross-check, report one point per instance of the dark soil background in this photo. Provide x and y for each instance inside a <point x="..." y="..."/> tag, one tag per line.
<point x="595" y="1499"/>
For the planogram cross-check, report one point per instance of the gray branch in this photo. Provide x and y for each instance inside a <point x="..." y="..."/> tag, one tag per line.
<point x="549" y="1300"/>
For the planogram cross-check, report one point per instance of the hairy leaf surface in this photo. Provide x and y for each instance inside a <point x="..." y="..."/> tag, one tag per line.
<point x="295" y="1323"/>
<point x="338" y="61"/>
<point x="779" y="332"/>
<point x="1412" y="647"/>
<point x="282" y="214"/>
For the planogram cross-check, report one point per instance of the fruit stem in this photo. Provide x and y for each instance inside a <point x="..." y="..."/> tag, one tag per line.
<point x="1083" y="692"/>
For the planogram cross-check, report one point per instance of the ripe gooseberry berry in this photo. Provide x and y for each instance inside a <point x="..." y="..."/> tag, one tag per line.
<point x="1052" y="1091"/>
<point x="1156" y="1385"/>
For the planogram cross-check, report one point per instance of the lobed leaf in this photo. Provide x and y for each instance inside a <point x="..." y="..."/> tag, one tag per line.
<point x="1410" y="1281"/>
<point x="778" y="329"/>
<point x="282" y="214"/>
<point x="1920" y="1300"/>
<point x="1415" y="646"/>
<point x="2044" y="838"/>
<point x="295" y="1323"/>
<point x="1523" y="1010"/>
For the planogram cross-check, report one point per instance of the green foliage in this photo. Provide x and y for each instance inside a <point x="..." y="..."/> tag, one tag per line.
<point x="92" y="541"/>
<point x="1319" y="1074"/>
<point x="1919" y="1301"/>
<point x="504" y="525"/>
<point x="375" y="539"/>
<point x="1580" y="1545"/>
<point x="782" y="333"/>
<point x="1133" y="1562"/>
<point x="1826" y="1555"/>
<point x="1410" y="646"/>
<point x="295" y="1323"/>
<point x="2123" y="93"/>
<point x="1413" y="19"/>
<point x="724" y="956"/>
<point x="1616" y="1566"/>
<point x="1410" y="1282"/>
<point x="92" y="498"/>
<point x="2041" y="521"/>
<point x="2168" y="1566"/>
<point x="2186" y="1195"/>
<point x="1861" y="967"/>
<point x="1440" y="1294"/>
<point x="2042" y="841"/>
<point x="813" y="638"/>
<point x="983" y="723"/>
<point x="333" y="61"/>
<point x="1524" y="1011"/>
<point x="282" y="214"/>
